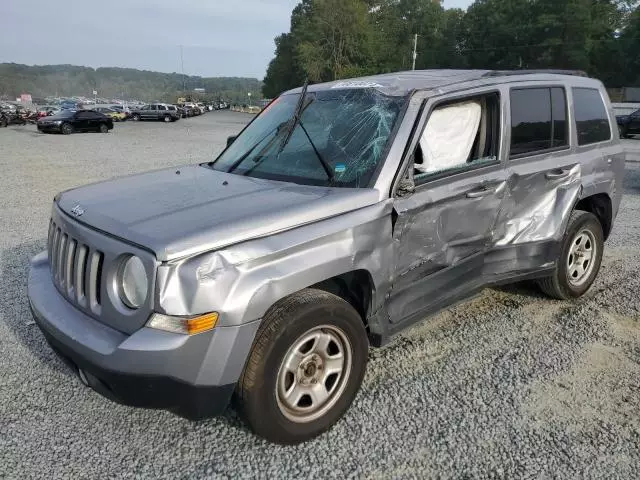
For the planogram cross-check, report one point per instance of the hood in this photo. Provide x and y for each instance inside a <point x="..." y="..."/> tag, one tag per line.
<point x="184" y="211"/>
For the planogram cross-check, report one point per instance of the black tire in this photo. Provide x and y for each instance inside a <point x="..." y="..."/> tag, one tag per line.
<point x="104" y="128"/>
<point x="135" y="117"/>
<point x="282" y="326"/>
<point x="4" y="123"/>
<point x="66" y="129"/>
<point x="167" y="119"/>
<point x="559" y="285"/>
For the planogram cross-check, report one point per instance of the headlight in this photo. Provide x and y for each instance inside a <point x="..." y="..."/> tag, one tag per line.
<point x="133" y="283"/>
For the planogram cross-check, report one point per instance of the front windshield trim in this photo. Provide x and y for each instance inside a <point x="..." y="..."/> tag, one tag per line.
<point x="403" y="101"/>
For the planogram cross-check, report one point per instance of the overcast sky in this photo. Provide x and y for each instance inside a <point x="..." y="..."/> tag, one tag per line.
<point x="220" y="37"/>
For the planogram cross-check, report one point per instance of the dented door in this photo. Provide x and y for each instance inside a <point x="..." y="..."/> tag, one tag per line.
<point x="441" y="234"/>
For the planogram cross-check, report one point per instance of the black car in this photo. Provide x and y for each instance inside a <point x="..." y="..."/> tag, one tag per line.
<point x="69" y="121"/>
<point x="629" y="124"/>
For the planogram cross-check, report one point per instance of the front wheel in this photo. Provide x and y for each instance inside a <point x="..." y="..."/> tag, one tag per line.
<point x="135" y="117"/>
<point x="305" y="368"/>
<point x="104" y="128"/>
<point x="580" y="258"/>
<point x="66" y="129"/>
<point x="167" y="119"/>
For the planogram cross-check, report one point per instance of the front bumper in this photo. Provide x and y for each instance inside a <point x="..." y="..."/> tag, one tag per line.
<point x="49" y="128"/>
<point x="192" y="376"/>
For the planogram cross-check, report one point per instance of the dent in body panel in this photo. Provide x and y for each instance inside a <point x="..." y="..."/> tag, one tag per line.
<point x="437" y="227"/>
<point x="241" y="282"/>
<point x="537" y="207"/>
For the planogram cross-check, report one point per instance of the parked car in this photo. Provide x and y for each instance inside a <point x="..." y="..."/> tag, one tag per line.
<point x="112" y="113"/>
<point x="194" y="109"/>
<point x="270" y="271"/>
<point x="16" y="116"/>
<point x="629" y="124"/>
<point x="156" y="111"/>
<point x="47" y="110"/>
<point x="122" y="109"/>
<point x="184" y="111"/>
<point x="70" y="121"/>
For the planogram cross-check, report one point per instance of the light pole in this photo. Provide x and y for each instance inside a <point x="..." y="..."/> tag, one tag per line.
<point x="415" y="50"/>
<point x="249" y="94"/>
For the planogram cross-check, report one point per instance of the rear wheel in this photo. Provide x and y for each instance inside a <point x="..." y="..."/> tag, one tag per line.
<point x="67" y="128"/>
<point x="135" y="117"/>
<point x="580" y="258"/>
<point x="104" y="128"/>
<point x="305" y="368"/>
<point x="167" y="119"/>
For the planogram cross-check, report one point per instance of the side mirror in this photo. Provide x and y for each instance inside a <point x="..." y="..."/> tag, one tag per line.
<point x="231" y="139"/>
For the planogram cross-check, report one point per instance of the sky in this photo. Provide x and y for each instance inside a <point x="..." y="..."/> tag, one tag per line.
<point x="218" y="37"/>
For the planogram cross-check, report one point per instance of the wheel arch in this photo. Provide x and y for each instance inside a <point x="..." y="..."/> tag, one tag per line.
<point x="355" y="287"/>
<point x="601" y="206"/>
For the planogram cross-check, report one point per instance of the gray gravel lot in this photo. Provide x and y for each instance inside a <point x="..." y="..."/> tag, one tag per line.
<point x="510" y="385"/>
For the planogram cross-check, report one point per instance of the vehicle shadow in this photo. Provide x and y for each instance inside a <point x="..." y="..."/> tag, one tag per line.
<point x="527" y="288"/>
<point x="16" y="314"/>
<point x="14" y="304"/>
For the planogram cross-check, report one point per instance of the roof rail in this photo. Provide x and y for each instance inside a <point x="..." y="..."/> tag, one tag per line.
<point x="504" y="73"/>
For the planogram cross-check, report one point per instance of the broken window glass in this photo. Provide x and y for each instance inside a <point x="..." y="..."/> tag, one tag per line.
<point x="350" y="129"/>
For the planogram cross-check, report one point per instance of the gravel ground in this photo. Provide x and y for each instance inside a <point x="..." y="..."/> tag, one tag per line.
<point x="510" y="385"/>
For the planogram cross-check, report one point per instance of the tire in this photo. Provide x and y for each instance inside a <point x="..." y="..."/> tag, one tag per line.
<point x="167" y="119"/>
<point x="324" y="319"/>
<point x="104" y="128"/>
<point x="4" y="123"/>
<point x="573" y="276"/>
<point x="135" y="117"/>
<point x="66" y="129"/>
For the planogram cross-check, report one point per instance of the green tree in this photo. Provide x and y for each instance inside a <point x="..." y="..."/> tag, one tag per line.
<point x="334" y="39"/>
<point x="284" y="70"/>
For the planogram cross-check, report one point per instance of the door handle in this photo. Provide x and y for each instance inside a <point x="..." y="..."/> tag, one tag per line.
<point x="557" y="174"/>
<point x="480" y="192"/>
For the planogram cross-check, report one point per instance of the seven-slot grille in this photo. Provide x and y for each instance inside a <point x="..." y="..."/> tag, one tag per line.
<point x="76" y="268"/>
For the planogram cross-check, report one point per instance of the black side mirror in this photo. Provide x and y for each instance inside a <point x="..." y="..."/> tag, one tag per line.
<point x="231" y="139"/>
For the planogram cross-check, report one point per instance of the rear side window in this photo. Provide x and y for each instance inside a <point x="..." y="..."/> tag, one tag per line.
<point x="592" y="121"/>
<point x="538" y="120"/>
<point x="161" y="107"/>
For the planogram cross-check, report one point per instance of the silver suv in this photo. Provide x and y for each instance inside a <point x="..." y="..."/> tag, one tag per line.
<point x="156" y="111"/>
<point x="342" y="214"/>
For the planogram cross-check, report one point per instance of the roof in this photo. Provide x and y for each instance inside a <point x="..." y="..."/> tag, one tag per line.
<point x="402" y="83"/>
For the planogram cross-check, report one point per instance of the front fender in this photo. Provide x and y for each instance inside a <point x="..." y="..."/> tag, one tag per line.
<point x="241" y="282"/>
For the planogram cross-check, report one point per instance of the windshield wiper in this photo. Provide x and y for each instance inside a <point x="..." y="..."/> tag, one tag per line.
<point x="237" y="163"/>
<point x="297" y="120"/>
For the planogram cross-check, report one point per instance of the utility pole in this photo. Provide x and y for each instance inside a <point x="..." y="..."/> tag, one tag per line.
<point x="184" y="80"/>
<point x="415" y="50"/>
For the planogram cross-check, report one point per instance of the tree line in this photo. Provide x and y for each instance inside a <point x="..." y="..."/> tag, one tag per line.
<point x="123" y="83"/>
<point x="333" y="39"/>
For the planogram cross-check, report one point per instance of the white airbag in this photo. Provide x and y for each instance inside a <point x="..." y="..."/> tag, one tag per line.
<point x="449" y="136"/>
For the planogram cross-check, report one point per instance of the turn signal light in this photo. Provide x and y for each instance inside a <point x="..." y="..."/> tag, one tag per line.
<point x="184" y="325"/>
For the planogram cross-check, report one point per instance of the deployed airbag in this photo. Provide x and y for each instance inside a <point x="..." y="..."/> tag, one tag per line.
<point x="449" y="136"/>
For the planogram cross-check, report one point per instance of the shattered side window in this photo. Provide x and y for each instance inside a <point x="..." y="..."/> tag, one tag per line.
<point x="342" y="131"/>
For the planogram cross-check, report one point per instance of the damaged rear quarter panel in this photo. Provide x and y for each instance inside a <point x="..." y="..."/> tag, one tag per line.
<point x="242" y="281"/>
